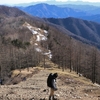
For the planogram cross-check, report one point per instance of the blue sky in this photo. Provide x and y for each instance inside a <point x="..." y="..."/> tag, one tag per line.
<point x="28" y="1"/>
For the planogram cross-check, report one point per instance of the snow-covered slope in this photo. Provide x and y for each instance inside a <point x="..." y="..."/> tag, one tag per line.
<point x="38" y="36"/>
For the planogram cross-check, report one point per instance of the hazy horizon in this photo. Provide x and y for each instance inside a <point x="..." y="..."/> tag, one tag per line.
<point x="11" y="2"/>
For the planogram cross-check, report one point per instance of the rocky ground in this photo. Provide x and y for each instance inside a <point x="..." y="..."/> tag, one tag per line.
<point x="70" y="87"/>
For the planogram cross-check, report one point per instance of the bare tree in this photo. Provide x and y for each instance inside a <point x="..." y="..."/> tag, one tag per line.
<point x="94" y="64"/>
<point x="70" y="53"/>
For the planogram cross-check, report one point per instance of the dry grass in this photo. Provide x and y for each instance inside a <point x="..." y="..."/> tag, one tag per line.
<point x="25" y="72"/>
<point x="22" y="72"/>
<point x="73" y="75"/>
<point x="69" y="85"/>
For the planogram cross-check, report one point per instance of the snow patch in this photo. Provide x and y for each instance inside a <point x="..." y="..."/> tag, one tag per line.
<point x="39" y="29"/>
<point x="48" y="54"/>
<point x="41" y="35"/>
<point x="38" y="49"/>
<point x="45" y="31"/>
<point x="35" y="44"/>
<point x="34" y="32"/>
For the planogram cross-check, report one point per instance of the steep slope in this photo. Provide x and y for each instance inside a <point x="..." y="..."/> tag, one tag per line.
<point x="70" y="86"/>
<point x="17" y="26"/>
<point x="10" y="11"/>
<point x="19" y="30"/>
<point x="12" y="20"/>
<point x="11" y="23"/>
<point x="22" y="36"/>
<point x="86" y="29"/>
<point x="49" y="11"/>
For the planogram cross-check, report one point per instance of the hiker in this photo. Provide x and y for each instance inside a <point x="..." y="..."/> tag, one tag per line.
<point x="51" y="82"/>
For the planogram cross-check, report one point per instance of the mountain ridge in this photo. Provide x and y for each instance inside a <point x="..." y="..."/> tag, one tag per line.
<point x="46" y="10"/>
<point x="86" y="29"/>
<point x="10" y="11"/>
<point x="61" y="3"/>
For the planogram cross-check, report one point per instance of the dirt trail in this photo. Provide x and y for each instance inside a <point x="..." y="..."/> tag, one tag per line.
<point x="35" y="88"/>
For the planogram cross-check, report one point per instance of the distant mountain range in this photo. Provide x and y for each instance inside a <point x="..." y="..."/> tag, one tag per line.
<point x="49" y="11"/>
<point x="85" y="29"/>
<point x="43" y="10"/>
<point x="86" y="8"/>
<point x="94" y="11"/>
<point x="54" y="2"/>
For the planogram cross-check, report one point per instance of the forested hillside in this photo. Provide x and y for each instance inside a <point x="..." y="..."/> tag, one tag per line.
<point x="86" y="29"/>
<point x="18" y="42"/>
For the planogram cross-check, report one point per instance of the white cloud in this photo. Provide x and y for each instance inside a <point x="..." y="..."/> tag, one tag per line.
<point x="91" y="0"/>
<point x="66" y="0"/>
<point x="62" y="0"/>
<point x="28" y="1"/>
<point x="19" y="1"/>
<point x="79" y="0"/>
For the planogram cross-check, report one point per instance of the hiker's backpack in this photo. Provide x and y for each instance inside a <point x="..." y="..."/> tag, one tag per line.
<point x="49" y="80"/>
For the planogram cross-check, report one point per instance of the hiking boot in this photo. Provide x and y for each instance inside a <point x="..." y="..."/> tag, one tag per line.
<point x="50" y="98"/>
<point x="54" y="98"/>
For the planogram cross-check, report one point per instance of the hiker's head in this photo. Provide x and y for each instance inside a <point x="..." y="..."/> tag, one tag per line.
<point x="55" y="75"/>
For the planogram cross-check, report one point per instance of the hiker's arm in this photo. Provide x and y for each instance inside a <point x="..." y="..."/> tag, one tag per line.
<point x="54" y="84"/>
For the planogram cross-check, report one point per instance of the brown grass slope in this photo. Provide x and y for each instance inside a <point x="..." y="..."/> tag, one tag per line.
<point x="70" y="86"/>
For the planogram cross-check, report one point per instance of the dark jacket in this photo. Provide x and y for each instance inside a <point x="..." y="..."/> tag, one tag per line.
<point x="51" y="81"/>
